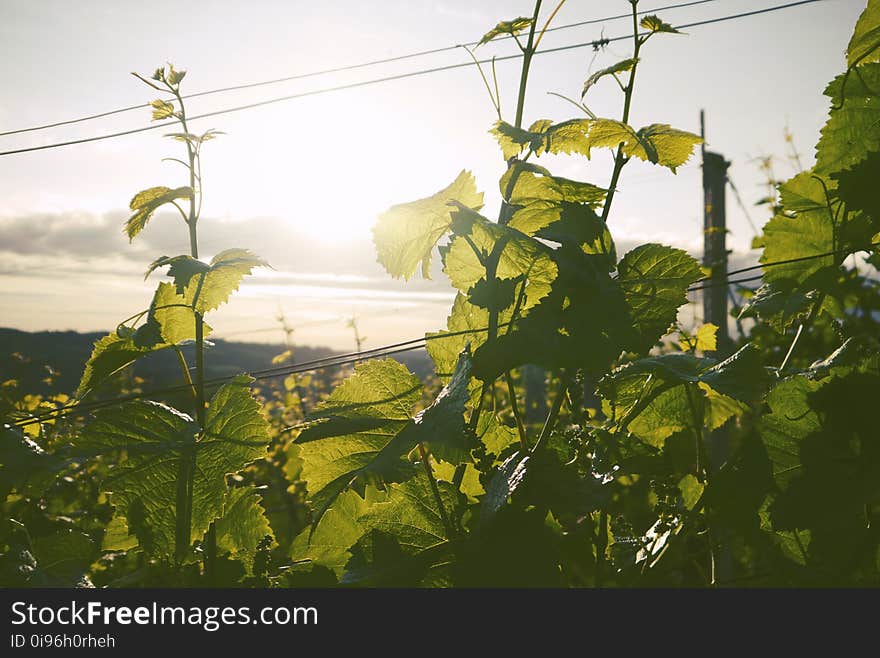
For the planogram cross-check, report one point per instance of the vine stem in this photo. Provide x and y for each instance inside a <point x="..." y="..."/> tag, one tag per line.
<point x="619" y="159"/>
<point x="186" y="472"/>
<point x="550" y="422"/>
<point x="444" y="517"/>
<point x="515" y="409"/>
<point x="498" y="248"/>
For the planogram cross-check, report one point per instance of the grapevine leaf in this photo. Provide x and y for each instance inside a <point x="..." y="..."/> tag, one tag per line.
<point x="513" y="140"/>
<point x="494" y="435"/>
<point x="206" y="286"/>
<point x="655" y="279"/>
<point x="117" y="536"/>
<point x="704" y="340"/>
<point x="109" y="355"/>
<point x="228" y="268"/>
<point x="467" y="323"/>
<point x="521" y="257"/>
<point x="653" y="24"/>
<point x="856" y="188"/>
<point x="656" y="397"/>
<point x="780" y="306"/>
<point x="175" y="317"/>
<point x="328" y="545"/>
<point x="410" y="514"/>
<point x="170" y="321"/>
<point x="542" y="199"/>
<point x="145" y="203"/>
<point x="657" y="143"/>
<point x="24" y="465"/>
<point x="851" y="130"/>
<point x="619" y="67"/>
<point x="790" y="421"/>
<point x="441" y="425"/>
<point x="579" y="225"/>
<point x="808" y="236"/>
<point x="512" y="27"/>
<point x="543" y="136"/>
<point x="181" y="269"/>
<point x="243" y="526"/>
<point x="161" y="109"/>
<point x="157" y="441"/>
<point x="62" y="558"/>
<point x="359" y="434"/>
<point x="691" y="489"/>
<point x="405" y="234"/>
<point x="504" y="483"/>
<point x="864" y="46"/>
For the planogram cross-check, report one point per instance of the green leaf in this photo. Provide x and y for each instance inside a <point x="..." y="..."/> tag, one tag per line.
<point x="441" y="425"/>
<point x="63" y="558"/>
<point x="780" y="305"/>
<point x="24" y="465"/>
<point x="864" y="46"/>
<point x="243" y="526"/>
<point x="170" y="321"/>
<point x="109" y="355"/>
<point x="405" y="234"/>
<point x="503" y="484"/>
<point x="704" y="340"/>
<point x="851" y="130"/>
<point x="162" y="110"/>
<point x="691" y="489"/>
<point x="181" y="269"/>
<point x="544" y="198"/>
<point x="619" y="67"/>
<point x="791" y="420"/>
<point x="205" y="287"/>
<point x="145" y="203"/>
<point x="328" y="544"/>
<point x="467" y="323"/>
<point x="656" y="397"/>
<point x="521" y="257"/>
<point x="855" y="187"/>
<point x="658" y="143"/>
<point x="410" y="514"/>
<point x="359" y="434"/>
<point x="366" y="427"/>
<point x="117" y="536"/>
<point x="655" y="279"/>
<point x="513" y="140"/>
<point x="174" y="316"/>
<point x="175" y="76"/>
<point x="809" y="234"/>
<point x="494" y="435"/>
<point x="653" y="24"/>
<point x="515" y="26"/>
<point x="156" y="440"/>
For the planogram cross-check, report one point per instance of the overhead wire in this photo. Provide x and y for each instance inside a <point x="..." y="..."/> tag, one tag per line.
<point x="400" y="76"/>
<point x="340" y="69"/>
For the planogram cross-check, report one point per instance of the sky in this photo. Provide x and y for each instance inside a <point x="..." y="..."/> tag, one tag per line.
<point x="302" y="182"/>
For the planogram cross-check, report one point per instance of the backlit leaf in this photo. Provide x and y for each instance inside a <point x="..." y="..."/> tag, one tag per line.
<point x="145" y="203"/>
<point x="405" y="234"/>
<point x="512" y="27"/>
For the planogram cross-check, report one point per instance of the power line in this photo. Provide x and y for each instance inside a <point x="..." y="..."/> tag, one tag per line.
<point x="339" y="69"/>
<point x="390" y="78"/>
<point x="344" y="359"/>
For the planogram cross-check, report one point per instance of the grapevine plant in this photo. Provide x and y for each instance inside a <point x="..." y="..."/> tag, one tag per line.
<point x="621" y="483"/>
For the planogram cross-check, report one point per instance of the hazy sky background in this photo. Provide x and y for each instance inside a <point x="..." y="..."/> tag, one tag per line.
<point x="301" y="182"/>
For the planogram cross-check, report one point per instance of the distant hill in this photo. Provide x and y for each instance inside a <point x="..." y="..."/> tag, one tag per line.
<point x="27" y="355"/>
